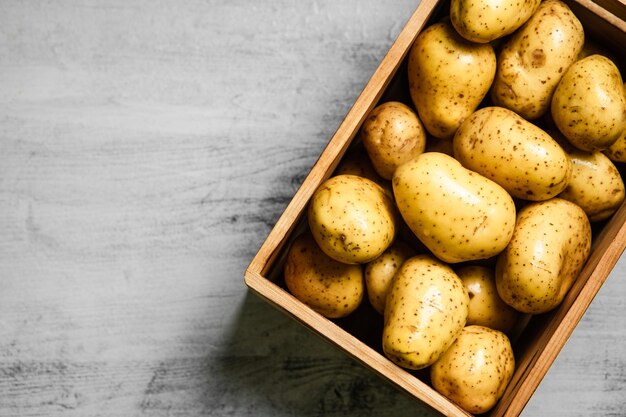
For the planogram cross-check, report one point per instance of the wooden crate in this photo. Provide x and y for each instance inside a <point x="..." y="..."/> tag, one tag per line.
<point x="544" y="336"/>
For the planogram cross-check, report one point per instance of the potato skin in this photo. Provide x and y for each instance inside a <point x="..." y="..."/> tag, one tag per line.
<point x="476" y="369"/>
<point x="502" y="146"/>
<point x="448" y="77"/>
<point x="380" y="272"/>
<point x="331" y="288"/>
<point x="589" y="104"/>
<point x="426" y="309"/>
<point x="392" y="134"/>
<point x="532" y="62"/>
<point x="351" y="219"/>
<point x="596" y="184"/>
<point x="617" y="151"/>
<point x="486" y="308"/>
<point x="484" y="21"/>
<point x="357" y="162"/>
<point x="551" y="243"/>
<point x="458" y="214"/>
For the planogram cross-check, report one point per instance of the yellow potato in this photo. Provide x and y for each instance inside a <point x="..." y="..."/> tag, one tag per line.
<point x="476" y="369"/>
<point x="380" y="272"/>
<point x="425" y="311"/>
<point x="458" y="214"/>
<point x="331" y="288"/>
<point x="617" y="151"/>
<point x="392" y="134"/>
<point x="486" y="308"/>
<point x="596" y="184"/>
<point x="439" y="145"/>
<point x="351" y="219"/>
<point x="550" y="245"/>
<point x="589" y="104"/>
<point x="486" y="20"/>
<point x="448" y="77"/>
<point x="357" y="162"/>
<point x="534" y="59"/>
<point x="521" y="157"/>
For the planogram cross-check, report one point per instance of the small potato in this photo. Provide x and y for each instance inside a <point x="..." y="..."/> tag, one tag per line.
<point x="589" y="104"/>
<point x="532" y="62"/>
<point x="440" y="145"/>
<point x="380" y="272"/>
<point x="476" y="369"/>
<point x="617" y="151"/>
<point x="448" y="77"/>
<point x="486" y="308"/>
<point x="486" y="20"/>
<point x="352" y="219"/>
<point x="357" y="162"/>
<point x="550" y="245"/>
<point x="331" y="288"/>
<point x="521" y="157"/>
<point x="426" y="309"/>
<point x="458" y="214"/>
<point x="596" y="184"/>
<point x="392" y="134"/>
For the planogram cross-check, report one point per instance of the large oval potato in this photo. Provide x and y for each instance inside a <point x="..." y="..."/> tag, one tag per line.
<point x="380" y="272"/>
<point x="458" y="214"/>
<point x="596" y="185"/>
<point x="331" y="288"/>
<point x="484" y="21"/>
<point x="392" y="134"/>
<point x="426" y="310"/>
<point x="448" y="77"/>
<point x="486" y="308"/>
<point x="532" y="62"/>
<point x="476" y="369"/>
<point x="550" y="245"/>
<point x="589" y="104"/>
<point x="351" y="219"/>
<point x="521" y="157"/>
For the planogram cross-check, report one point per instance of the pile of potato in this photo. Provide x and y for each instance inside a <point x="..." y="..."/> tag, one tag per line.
<point x="473" y="206"/>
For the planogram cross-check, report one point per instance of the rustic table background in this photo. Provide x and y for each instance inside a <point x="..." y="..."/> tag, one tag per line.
<point x="146" y="150"/>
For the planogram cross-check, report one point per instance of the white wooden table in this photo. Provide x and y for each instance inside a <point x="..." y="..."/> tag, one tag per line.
<point x="146" y="149"/>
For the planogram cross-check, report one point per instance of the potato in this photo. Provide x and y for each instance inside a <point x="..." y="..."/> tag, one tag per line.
<point x="331" y="288"/>
<point x="380" y="272"/>
<point x="486" y="308"/>
<point x="351" y="219"/>
<point x="440" y="145"/>
<point x="425" y="311"/>
<point x="357" y="162"/>
<point x="458" y="214"/>
<point x="550" y="245"/>
<point x="392" y="134"/>
<point x="589" y="104"/>
<point x="521" y="157"/>
<point x="476" y="369"/>
<point x="448" y="77"/>
<point x="484" y="21"/>
<point x="617" y="151"/>
<point x="532" y="62"/>
<point x="596" y="185"/>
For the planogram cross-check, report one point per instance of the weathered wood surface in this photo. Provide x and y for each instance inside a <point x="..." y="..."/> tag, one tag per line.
<point x="146" y="149"/>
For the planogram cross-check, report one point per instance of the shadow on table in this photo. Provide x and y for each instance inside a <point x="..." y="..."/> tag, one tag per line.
<point x="272" y="365"/>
